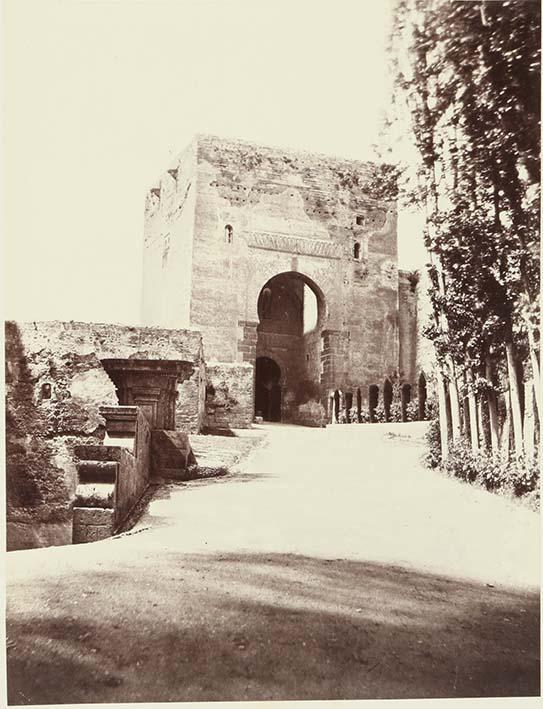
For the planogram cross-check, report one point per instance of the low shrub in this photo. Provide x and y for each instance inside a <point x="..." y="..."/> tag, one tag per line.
<point x="353" y="415"/>
<point x="516" y="478"/>
<point x="524" y="478"/>
<point x="433" y="444"/>
<point x="461" y="462"/>
<point x="364" y="415"/>
<point x="411" y="411"/>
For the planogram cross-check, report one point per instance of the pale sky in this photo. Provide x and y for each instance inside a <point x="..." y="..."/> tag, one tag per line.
<point x="100" y="94"/>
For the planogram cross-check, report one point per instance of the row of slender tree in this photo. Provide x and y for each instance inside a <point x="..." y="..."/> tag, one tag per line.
<point x="469" y="75"/>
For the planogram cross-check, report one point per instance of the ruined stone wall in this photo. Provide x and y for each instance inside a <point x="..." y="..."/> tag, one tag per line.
<point x="408" y="325"/>
<point x="258" y="212"/>
<point x="294" y="212"/>
<point x="55" y="384"/>
<point x="229" y="395"/>
<point x="134" y="470"/>
<point x="168" y="242"/>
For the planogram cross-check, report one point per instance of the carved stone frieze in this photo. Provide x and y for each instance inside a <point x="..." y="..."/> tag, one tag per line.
<point x="294" y="244"/>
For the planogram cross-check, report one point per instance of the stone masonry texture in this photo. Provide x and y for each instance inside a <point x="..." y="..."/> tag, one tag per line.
<point x="228" y="217"/>
<point x="55" y="385"/>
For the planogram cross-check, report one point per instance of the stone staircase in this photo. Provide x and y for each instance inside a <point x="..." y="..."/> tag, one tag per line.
<point x="94" y="505"/>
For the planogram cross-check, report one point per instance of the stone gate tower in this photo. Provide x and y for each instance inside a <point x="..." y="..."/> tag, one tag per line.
<point x="287" y="264"/>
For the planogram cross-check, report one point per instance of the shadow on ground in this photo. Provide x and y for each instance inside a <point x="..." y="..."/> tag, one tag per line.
<point x="172" y="627"/>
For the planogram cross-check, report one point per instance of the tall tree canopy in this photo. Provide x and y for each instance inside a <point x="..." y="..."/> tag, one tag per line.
<point x="470" y="75"/>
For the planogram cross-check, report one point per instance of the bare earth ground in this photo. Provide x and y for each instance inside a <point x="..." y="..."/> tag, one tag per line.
<point x="331" y="565"/>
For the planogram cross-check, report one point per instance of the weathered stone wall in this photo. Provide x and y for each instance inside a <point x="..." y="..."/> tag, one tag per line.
<point x="229" y="395"/>
<point x="294" y="212"/>
<point x="55" y="384"/>
<point x="260" y="212"/>
<point x="134" y="471"/>
<point x="168" y="243"/>
<point x="311" y="414"/>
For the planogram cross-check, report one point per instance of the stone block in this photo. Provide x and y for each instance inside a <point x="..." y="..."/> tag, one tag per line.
<point x="92" y="525"/>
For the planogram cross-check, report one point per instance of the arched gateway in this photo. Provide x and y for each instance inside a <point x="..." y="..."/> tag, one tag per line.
<point x="291" y="309"/>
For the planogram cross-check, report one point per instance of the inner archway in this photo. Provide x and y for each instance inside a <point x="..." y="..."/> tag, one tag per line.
<point x="291" y="312"/>
<point x="267" y="389"/>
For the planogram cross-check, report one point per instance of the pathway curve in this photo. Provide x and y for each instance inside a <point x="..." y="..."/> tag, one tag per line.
<point x="330" y="565"/>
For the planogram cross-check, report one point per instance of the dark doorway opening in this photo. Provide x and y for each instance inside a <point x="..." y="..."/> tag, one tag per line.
<point x="267" y="389"/>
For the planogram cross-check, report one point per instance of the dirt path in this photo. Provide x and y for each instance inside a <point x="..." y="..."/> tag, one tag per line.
<point x="331" y="565"/>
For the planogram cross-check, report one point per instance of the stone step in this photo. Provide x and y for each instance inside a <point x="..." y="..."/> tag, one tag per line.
<point x="97" y="452"/>
<point x="100" y="495"/>
<point x="97" y="471"/>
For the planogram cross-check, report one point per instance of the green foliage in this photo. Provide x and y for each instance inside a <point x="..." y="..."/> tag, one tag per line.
<point x="515" y="478"/>
<point x="469" y="77"/>
<point x="364" y="415"/>
<point x="379" y="414"/>
<point x="433" y="444"/>
<point x="353" y="415"/>
<point x="525" y="478"/>
<point x="412" y="411"/>
<point x="469" y="73"/>
<point x="384" y="182"/>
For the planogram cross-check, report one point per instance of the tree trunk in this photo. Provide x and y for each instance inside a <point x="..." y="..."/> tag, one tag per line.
<point x="473" y="418"/>
<point x="456" y="421"/>
<point x="506" y="429"/>
<point x="483" y="429"/>
<point x="443" y="422"/>
<point x="516" y="414"/>
<point x="534" y="361"/>
<point x="529" y="422"/>
<point x="492" y="411"/>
